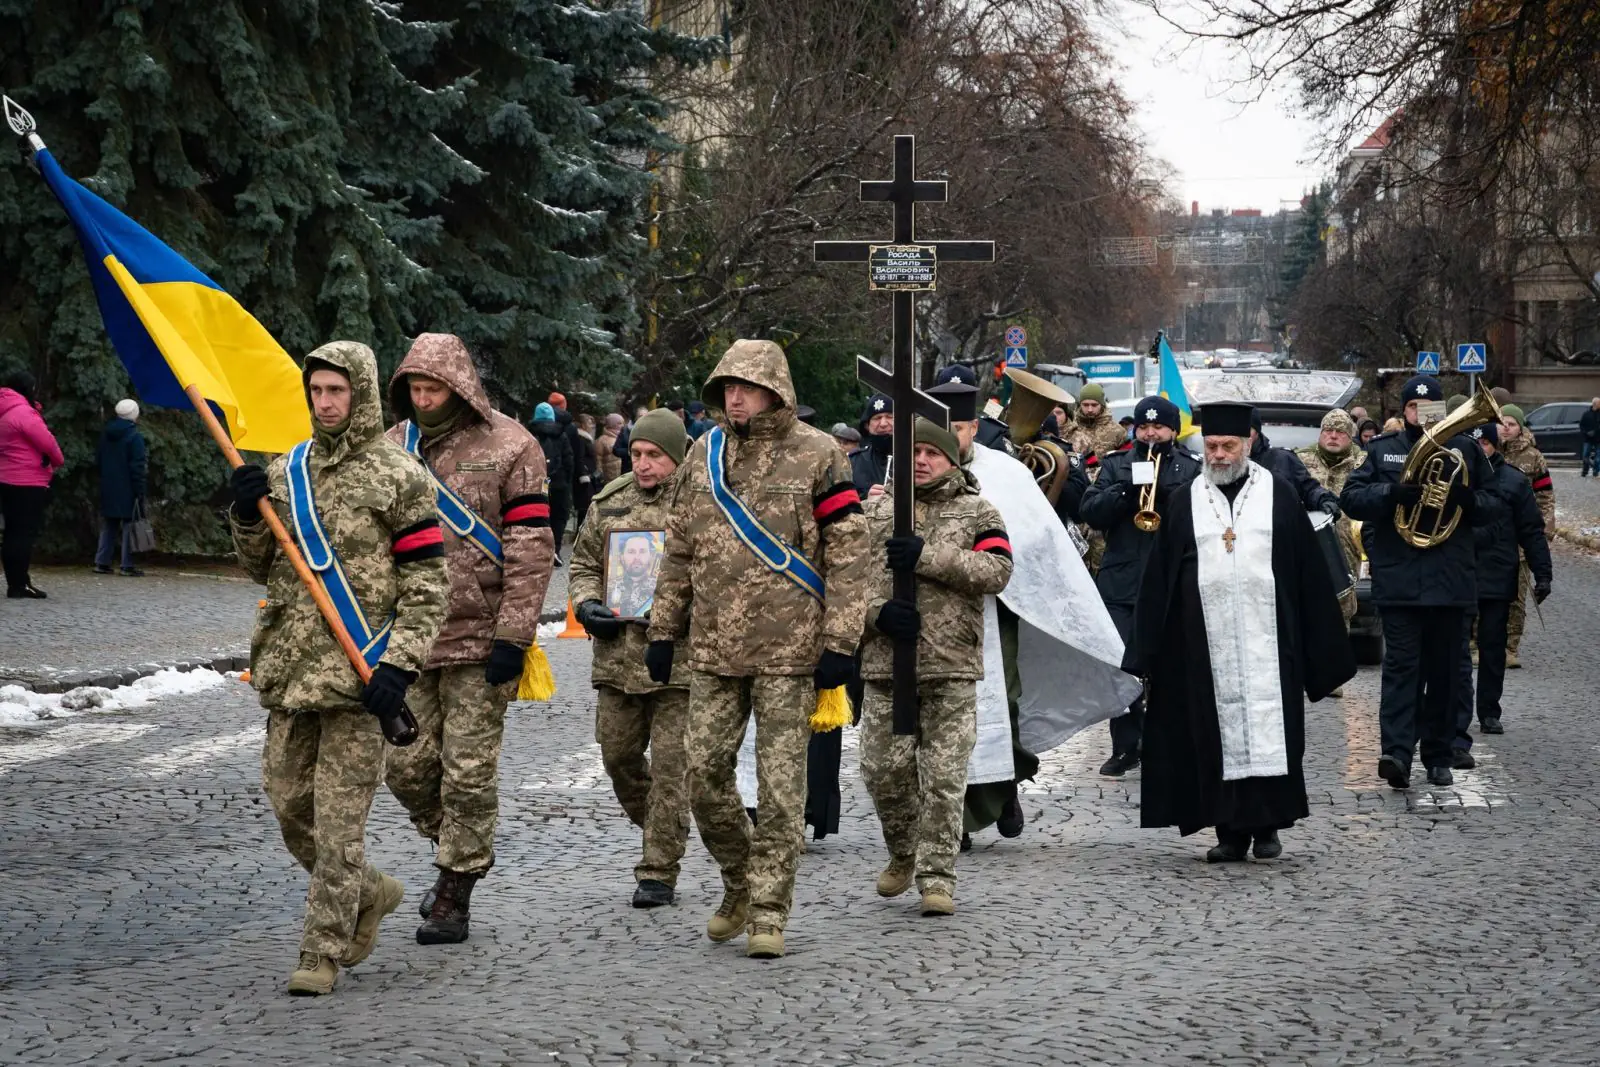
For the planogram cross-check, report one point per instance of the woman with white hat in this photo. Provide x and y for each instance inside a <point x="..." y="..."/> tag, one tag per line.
<point x="124" y="469"/>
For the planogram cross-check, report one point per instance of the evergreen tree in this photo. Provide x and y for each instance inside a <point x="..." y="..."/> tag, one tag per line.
<point x="1302" y="249"/>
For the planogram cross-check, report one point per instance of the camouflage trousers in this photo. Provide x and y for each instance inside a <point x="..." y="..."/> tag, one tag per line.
<point x="653" y="790"/>
<point x="448" y="779"/>
<point x="918" y="781"/>
<point x="761" y="862"/>
<point x="1519" y="610"/>
<point x="320" y="770"/>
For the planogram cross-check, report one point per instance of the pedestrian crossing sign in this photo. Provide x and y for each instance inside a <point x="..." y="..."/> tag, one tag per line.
<point x="1427" y="363"/>
<point x="1472" y="358"/>
<point x="1017" y="356"/>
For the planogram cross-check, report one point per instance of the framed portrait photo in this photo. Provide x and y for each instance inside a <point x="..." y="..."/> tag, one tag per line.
<point x="633" y="561"/>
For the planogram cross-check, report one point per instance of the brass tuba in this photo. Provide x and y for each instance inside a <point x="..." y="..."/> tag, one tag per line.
<point x="1437" y="469"/>
<point x="1032" y="397"/>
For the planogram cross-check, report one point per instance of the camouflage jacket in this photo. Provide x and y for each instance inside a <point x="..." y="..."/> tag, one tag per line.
<point x="608" y="462"/>
<point x="1097" y="437"/>
<point x="966" y="556"/>
<point x="622" y="505"/>
<point x="497" y="468"/>
<point x="1331" y="472"/>
<point x="747" y="619"/>
<point x="1523" y="454"/>
<point x="377" y="507"/>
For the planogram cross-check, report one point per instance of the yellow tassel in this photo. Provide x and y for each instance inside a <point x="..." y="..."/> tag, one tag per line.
<point x="538" y="683"/>
<point x="833" y="711"/>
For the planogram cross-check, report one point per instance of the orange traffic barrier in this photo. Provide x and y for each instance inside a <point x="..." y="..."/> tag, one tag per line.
<point x="573" y="629"/>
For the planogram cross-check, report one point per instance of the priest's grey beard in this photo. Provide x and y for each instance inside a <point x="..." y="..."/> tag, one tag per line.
<point x="1227" y="473"/>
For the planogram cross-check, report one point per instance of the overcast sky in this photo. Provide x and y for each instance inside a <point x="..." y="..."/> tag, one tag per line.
<point x="1225" y="153"/>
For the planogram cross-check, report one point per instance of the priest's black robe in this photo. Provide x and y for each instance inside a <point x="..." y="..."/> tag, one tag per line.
<point x="1182" y="779"/>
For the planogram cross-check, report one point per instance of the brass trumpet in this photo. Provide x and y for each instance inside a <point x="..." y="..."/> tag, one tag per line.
<point x="1147" y="518"/>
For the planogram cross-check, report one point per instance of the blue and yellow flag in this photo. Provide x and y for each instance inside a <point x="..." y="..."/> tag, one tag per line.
<point x="173" y="327"/>
<point x="1172" y="388"/>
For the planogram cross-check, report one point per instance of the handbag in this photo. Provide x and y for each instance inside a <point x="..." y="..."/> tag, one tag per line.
<point x="141" y="535"/>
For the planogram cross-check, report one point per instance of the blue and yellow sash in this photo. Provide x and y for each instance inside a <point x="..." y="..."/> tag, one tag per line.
<point x="324" y="561"/>
<point x="461" y="519"/>
<point x="768" y="547"/>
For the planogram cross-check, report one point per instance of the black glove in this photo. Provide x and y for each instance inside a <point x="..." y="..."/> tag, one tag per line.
<point x="1330" y="504"/>
<point x="599" y="620"/>
<point x="1404" y="495"/>
<point x="505" y="663"/>
<point x="903" y="552"/>
<point x="385" y="697"/>
<point x="658" y="661"/>
<point x="899" y="619"/>
<point x="249" y="484"/>
<point x="1462" y="496"/>
<point x="834" y="669"/>
<point x="1541" y="590"/>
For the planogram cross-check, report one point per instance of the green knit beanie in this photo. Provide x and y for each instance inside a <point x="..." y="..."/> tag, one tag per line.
<point x="928" y="433"/>
<point x="1092" y="391"/>
<point x="1515" y="412"/>
<point x="663" y="429"/>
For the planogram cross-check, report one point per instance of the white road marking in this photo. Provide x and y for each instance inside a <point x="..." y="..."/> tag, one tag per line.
<point x="199" y="753"/>
<point x="68" y="738"/>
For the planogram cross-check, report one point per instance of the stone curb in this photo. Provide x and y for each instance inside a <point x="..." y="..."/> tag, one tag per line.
<point x="111" y="677"/>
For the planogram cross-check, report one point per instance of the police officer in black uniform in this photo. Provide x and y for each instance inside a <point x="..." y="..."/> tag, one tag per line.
<point x="1425" y="596"/>
<point x="869" y="464"/>
<point x="992" y="433"/>
<point x="1517" y="522"/>
<point x="1109" y="506"/>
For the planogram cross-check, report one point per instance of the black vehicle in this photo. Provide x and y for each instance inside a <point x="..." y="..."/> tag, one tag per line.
<point x="1555" y="427"/>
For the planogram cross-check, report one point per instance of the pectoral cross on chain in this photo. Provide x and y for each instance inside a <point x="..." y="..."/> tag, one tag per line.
<point x="1228" y="538"/>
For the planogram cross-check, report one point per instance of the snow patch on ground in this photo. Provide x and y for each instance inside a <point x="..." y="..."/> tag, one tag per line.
<point x="550" y="629"/>
<point x="23" y="707"/>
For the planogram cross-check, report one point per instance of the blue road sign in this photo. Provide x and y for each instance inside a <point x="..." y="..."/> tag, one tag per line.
<point x="1472" y="358"/>
<point x="1017" y="356"/>
<point x="1427" y="363"/>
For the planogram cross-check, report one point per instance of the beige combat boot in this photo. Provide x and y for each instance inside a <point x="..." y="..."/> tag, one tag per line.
<point x="730" y="918"/>
<point x="896" y="878"/>
<point x="314" y="977"/>
<point x="765" y="942"/>
<point x="389" y="895"/>
<point x="937" y="902"/>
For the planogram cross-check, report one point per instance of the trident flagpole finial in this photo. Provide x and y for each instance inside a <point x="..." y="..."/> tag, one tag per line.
<point x="21" y="123"/>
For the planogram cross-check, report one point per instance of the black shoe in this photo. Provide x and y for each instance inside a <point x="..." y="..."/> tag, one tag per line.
<point x="1440" y="776"/>
<point x="100" y="569"/>
<point x="1492" y="726"/>
<point x="430" y="896"/>
<point x="25" y="592"/>
<point x="447" y="923"/>
<point x="555" y="561"/>
<point x="1119" y="764"/>
<point x="1229" y="849"/>
<point x="1011" y="821"/>
<point x="750" y="813"/>
<point x="1268" y="847"/>
<point x="1390" y="770"/>
<point x="132" y="572"/>
<point x="652" y="894"/>
<point x="966" y="842"/>
<point x="1462" y="760"/>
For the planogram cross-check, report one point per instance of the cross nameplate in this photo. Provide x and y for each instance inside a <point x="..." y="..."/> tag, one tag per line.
<point x="910" y="268"/>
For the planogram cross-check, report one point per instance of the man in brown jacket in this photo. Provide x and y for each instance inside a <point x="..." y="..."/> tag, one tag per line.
<point x="765" y="633"/>
<point x="633" y="713"/>
<point x="606" y="459"/>
<point x="489" y="479"/>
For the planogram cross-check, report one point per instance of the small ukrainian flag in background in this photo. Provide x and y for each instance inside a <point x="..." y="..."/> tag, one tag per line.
<point x="173" y="327"/>
<point x="1172" y="387"/>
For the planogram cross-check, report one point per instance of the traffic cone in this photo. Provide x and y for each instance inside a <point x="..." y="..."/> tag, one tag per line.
<point x="573" y="629"/>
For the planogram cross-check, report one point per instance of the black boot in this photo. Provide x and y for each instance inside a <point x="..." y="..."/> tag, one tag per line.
<point x="1461" y="760"/>
<point x="966" y="842"/>
<point x="447" y="923"/>
<point x="1119" y="764"/>
<point x="431" y="895"/>
<point x="1231" y="847"/>
<point x="1011" y="820"/>
<point x="1267" y="846"/>
<point x="652" y="893"/>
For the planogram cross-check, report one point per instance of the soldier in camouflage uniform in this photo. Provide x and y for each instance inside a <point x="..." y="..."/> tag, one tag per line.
<point x="448" y="780"/>
<point x="960" y="554"/>
<point x="1519" y="448"/>
<point x="324" y="752"/>
<point x="1094" y="435"/>
<point x="633" y="713"/>
<point x="1330" y="462"/>
<point x="758" y="641"/>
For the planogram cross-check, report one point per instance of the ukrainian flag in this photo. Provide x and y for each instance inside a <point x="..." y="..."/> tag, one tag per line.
<point x="1172" y="387"/>
<point x="173" y="327"/>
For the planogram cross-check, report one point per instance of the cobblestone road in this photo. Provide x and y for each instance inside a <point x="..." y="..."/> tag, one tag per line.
<point x="149" y="913"/>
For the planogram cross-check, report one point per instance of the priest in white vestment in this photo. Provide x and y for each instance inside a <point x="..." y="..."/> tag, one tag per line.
<point x="1237" y="586"/>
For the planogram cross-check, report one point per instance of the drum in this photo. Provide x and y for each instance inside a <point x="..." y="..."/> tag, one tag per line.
<point x="1325" y="527"/>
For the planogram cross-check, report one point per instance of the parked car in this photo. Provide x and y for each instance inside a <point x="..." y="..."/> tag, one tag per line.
<point x="1555" y="427"/>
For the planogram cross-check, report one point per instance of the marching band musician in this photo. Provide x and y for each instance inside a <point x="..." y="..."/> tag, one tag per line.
<point x="1146" y="474"/>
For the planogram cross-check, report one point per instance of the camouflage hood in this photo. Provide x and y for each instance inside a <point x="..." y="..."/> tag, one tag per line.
<point x="759" y="362"/>
<point x="366" y="405"/>
<point x="444" y="358"/>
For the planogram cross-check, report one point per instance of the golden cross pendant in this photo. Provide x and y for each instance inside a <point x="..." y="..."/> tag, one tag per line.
<point x="1228" y="538"/>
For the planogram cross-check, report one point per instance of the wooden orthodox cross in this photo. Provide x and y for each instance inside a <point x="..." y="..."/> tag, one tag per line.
<point x="905" y="267"/>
